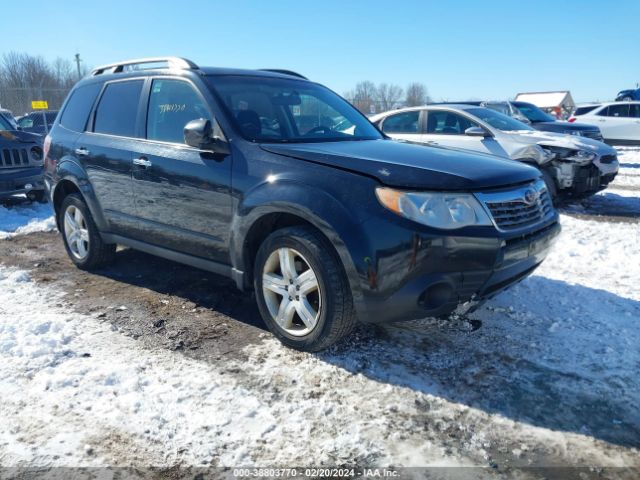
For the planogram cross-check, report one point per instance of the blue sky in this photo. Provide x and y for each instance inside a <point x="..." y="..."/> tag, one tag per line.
<point x="460" y="49"/>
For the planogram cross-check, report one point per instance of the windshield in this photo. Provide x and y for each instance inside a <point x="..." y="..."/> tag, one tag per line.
<point x="4" y="124"/>
<point x="533" y="113"/>
<point x="266" y="109"/>
<point x="498" y="120"/>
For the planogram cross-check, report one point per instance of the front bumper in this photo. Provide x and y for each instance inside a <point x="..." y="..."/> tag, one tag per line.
<point x="434" y="276"/>
<point x="13" y="182"/>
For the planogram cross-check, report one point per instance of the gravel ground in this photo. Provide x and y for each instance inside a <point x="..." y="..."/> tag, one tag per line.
<point x="157" y="364"/>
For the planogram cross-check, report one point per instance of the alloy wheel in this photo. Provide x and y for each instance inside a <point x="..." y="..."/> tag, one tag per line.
<point x="76" y="232"/>
<point x="291" y="291"/>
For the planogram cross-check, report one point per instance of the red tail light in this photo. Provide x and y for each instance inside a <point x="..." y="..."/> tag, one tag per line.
<point x="572" y="119"/>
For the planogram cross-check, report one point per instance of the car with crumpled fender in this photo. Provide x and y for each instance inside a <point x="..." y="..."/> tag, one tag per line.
<point x="571" y="166"/>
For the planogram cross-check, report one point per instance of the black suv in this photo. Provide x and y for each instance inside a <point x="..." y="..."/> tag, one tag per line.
<point x="21" y="158"/>
<point x="328" y="223"/>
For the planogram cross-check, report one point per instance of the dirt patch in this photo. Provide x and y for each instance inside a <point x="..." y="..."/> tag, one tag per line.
<point x="159" y="302"/>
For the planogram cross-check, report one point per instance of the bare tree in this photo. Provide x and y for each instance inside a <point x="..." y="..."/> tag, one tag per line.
<point x="388" y="96"/>
<point x="363" y="97"/>
<point x="24" y="78"/>
<point x="416" y="95"/>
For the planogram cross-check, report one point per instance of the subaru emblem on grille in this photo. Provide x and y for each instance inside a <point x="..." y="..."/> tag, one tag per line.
<point x="530" y="196"/>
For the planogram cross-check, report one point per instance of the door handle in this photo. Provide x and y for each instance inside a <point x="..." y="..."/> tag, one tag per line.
<point x="82" y="152"/>
<point x="142" y="162"/>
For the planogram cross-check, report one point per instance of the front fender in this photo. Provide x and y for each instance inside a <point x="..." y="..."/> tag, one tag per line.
<point x="340" y="226"/>
<point x="69" y="171"/>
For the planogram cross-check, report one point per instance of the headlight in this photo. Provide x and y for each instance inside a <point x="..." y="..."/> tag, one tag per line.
<point x="577" y="133"/>
<point x="36" y="154"/>
<point x="438" y="210"/>
<point x="582" y="156"/>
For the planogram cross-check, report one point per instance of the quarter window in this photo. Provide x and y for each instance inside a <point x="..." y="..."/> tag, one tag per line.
<point x="173" y="104"/>
<point x="634" y="110"/>
<point x="407" y="122"/>
<point x="447" y="123"/>
<point x="118" y="107"/>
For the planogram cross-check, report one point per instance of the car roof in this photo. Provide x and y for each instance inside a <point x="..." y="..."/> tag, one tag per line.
<point x="606" y="104"/>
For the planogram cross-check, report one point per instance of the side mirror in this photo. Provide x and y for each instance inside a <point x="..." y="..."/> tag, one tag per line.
<point x="477" y="132"/>
<point x="199" y="134"/>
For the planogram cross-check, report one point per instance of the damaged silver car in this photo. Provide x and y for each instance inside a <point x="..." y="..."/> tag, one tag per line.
<point x="571" y="166"/>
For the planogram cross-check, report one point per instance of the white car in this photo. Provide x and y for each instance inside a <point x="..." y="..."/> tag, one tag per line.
<point x="570" y="165"/>
<point x="619" y="122"/>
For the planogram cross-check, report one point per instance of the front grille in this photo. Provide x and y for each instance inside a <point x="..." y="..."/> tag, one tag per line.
<point x="14" y="157"/>
<point x="519" y="208"/>
<point x="608" y="159"/>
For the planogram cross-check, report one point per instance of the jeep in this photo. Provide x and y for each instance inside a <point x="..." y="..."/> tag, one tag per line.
<point x="252" y="174"/>
<point x="21" y="157"/>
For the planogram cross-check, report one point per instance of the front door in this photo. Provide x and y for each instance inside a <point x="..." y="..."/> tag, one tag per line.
<point x="182" y="194"/>
<point x="446" y="128"/>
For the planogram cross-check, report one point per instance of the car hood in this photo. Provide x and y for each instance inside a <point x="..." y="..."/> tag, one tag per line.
<point x="407" y="165"/>
<point x="566" y="126"/>
<point x="544" y="138"/>
<point x="20" y="136"/>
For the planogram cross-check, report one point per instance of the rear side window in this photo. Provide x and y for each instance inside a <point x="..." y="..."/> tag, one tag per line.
<point x="173" y="104"/>
<point x="75" y="114"/>
<point x="634" y="110"/>
<point x="583" y="110"/>
<point x="407" y="122"/>
<point x="118" y="107"/>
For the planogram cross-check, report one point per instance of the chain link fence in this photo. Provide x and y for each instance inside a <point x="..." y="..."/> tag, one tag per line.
<point x="18" y="99"/>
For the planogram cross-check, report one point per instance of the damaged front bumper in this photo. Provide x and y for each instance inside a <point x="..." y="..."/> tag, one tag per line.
<point x="580" y="180"/>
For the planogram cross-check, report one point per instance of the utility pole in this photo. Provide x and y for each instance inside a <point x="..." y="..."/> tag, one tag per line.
<point x="78" y="65"/>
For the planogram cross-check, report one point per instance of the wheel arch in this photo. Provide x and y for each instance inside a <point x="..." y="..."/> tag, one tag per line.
<point x="72" y="179"/>
<point x="264" y="212"/>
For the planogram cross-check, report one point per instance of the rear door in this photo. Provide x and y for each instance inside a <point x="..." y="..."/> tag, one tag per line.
<point x="633" y="133"/>
<point x="105" y="150"/>
<point x="182" y="193"/>
<point x="403" y="125"/>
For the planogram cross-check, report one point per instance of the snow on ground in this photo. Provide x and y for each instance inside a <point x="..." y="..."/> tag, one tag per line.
<point x="18" y="218"/>
<point x="550" y="379"/>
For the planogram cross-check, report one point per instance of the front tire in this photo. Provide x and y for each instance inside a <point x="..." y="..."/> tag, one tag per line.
<point x="551" y="186"/>
<point x="627" y="99"/>
<point x="81" y="236"/>
<point x="302" y="291"/>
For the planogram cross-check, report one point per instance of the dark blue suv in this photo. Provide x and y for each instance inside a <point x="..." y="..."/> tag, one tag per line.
<point x="282" y="185"/>
<point x="628" y="95"/>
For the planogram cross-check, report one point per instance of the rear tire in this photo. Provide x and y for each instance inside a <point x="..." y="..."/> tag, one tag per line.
<point x="81" y="236"/>
<point x="302" y="291"/>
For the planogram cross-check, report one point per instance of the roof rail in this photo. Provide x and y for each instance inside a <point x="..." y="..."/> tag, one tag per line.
<point x="284" y="72"/>
<point x="172" y="62"/>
